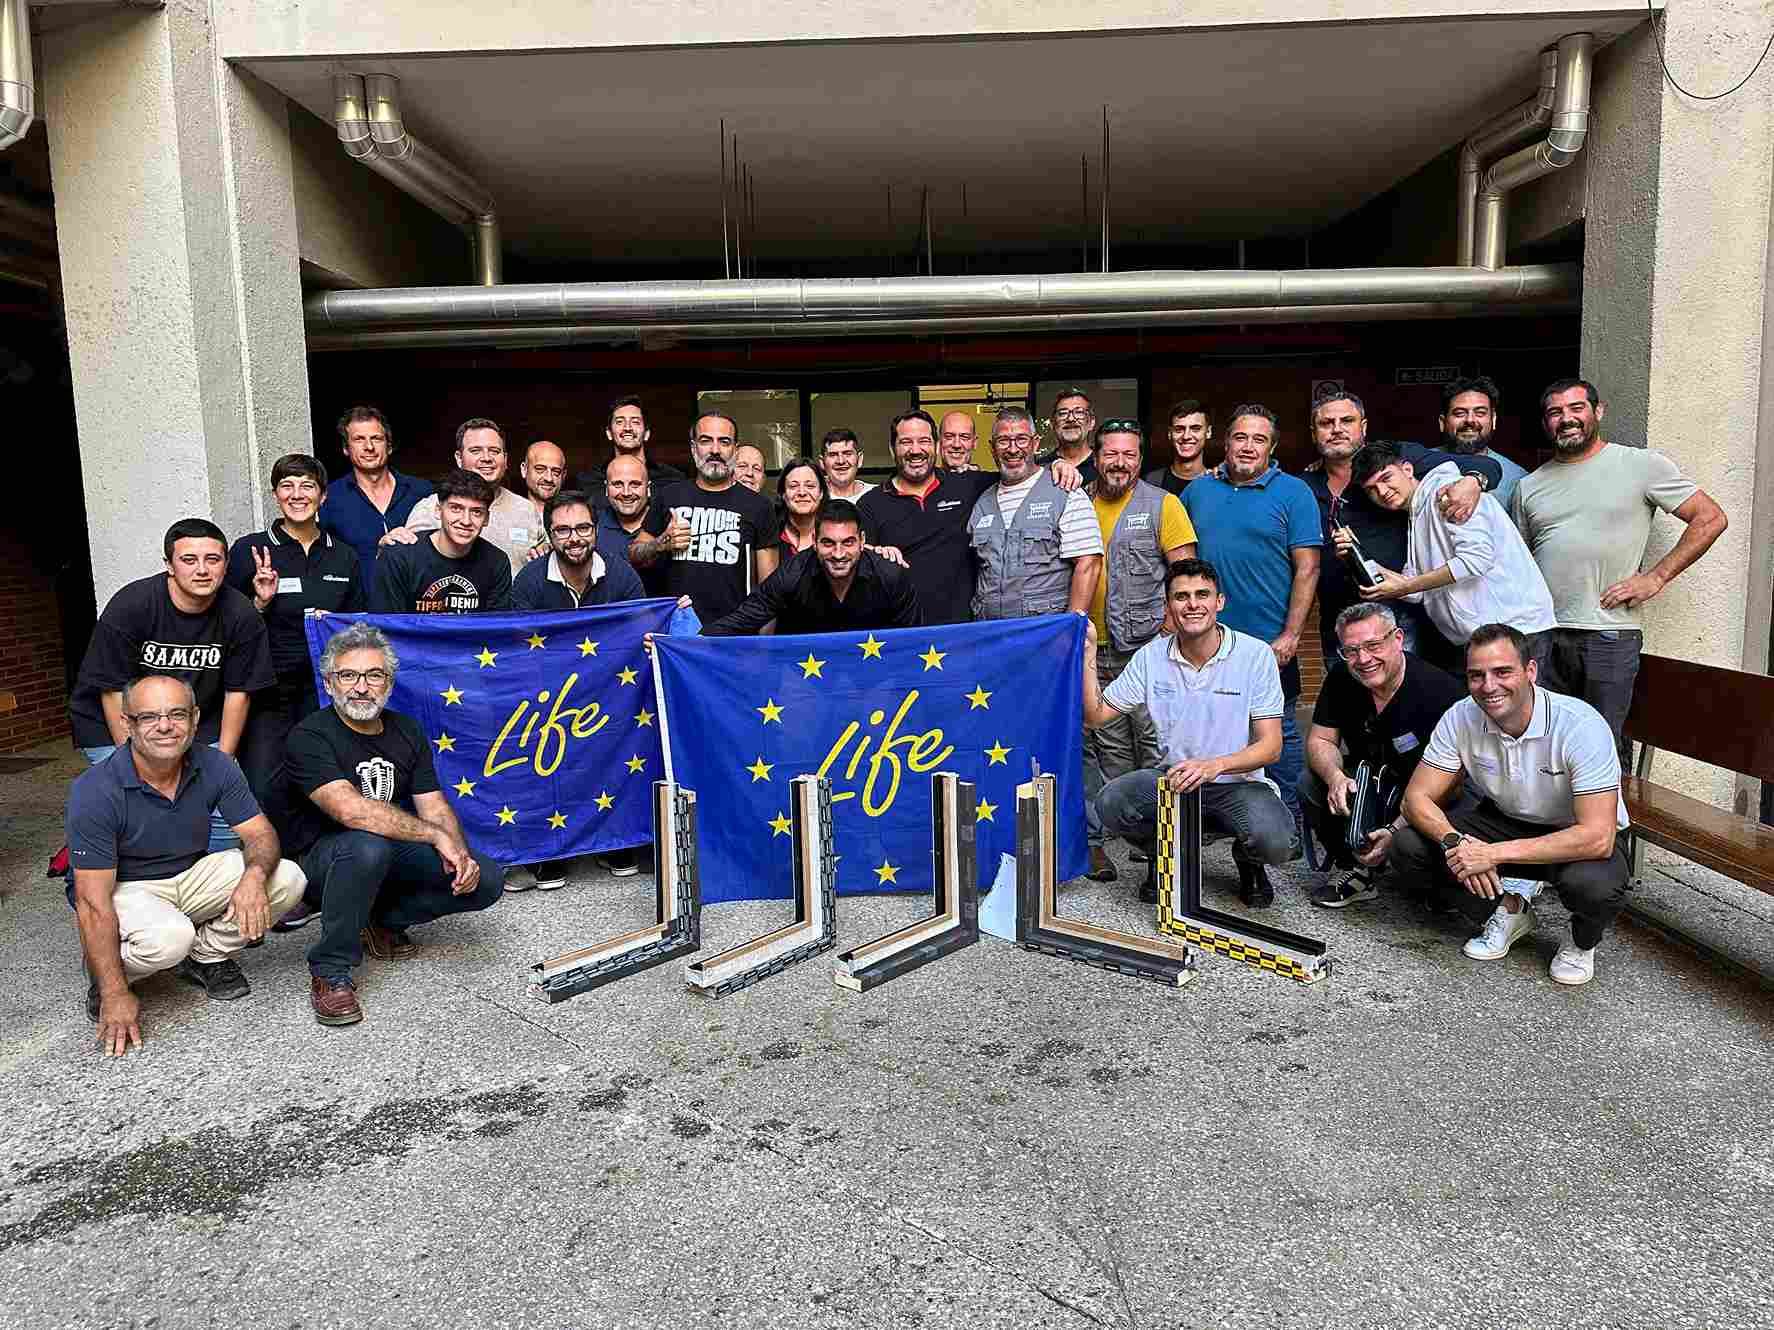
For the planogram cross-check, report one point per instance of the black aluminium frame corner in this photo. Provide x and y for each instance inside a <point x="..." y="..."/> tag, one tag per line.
<point x="1181" y="913"/>
<point x="677" y="928"/>
<point x="1039" y="925"/>
<point x="953" y="922"/>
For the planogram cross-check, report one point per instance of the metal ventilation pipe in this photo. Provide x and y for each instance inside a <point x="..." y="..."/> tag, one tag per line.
<point x="366" y="114"/>
<point x="18" y="99"/>
<point x="1491" y="140"/>
<point x="1563" y="141"/>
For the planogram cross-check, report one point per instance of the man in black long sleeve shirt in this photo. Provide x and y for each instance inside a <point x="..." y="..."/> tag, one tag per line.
<point x="837" y="586"/>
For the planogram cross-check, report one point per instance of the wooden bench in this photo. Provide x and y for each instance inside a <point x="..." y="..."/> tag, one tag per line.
<point x="1724" y="718"/>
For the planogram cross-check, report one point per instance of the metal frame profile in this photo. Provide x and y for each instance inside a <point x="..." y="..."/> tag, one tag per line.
<point x="1041" y="927"/>
<point x="953" y="922"/>
<point x="1181" y="913"/>
<point x="815" y="925"/>
<point x="677" y="931"/>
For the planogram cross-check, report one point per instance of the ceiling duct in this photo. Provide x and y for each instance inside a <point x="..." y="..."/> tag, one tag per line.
<point x="1491" y="140"/>
<point x="366" y="114"/>
<point x="18" y="99"/>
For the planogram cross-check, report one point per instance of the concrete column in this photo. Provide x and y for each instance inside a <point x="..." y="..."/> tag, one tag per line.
<point x="1676" y="300"/>
<point x="176" y="221"/>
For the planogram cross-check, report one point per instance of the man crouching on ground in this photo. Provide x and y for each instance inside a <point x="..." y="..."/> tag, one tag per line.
<point x="368" y="824"/>
<point x="147" y="894"/>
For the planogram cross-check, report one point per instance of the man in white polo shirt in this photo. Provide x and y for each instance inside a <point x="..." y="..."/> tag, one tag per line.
<point x="1214" y="695"/>
<point x="1463" y="574"/>
<point x="1548" y="779"/>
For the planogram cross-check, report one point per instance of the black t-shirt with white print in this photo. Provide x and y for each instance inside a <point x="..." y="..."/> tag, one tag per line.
<point x="390" y="767"/>
<point x="727" y="527"/>
<point x="221" y="650"/>
<point x="417" y="579"/>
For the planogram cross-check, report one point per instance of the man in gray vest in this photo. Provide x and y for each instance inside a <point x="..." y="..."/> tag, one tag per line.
<point x="1036" y="548"/>
<point x="1144" y="530"/>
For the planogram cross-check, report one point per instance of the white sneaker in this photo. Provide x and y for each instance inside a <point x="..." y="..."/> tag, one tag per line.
<point x="1573" y="964"/>
<point x="1501" y="932"/>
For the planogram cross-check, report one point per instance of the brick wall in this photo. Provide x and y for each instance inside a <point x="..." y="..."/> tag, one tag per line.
<point x="31" y="665"/>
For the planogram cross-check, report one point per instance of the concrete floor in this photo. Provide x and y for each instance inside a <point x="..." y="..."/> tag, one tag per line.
<point x="1002" y="1138"/>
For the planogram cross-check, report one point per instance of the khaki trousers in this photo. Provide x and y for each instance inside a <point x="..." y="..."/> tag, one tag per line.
<point x="160" y="922"/>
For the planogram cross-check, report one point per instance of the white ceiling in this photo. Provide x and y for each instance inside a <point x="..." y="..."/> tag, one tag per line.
<point x="1215" y="134"/>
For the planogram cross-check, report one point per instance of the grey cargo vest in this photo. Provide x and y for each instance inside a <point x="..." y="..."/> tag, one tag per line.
<point x="1134" y="564"/>
<point x="1020" y="570"/>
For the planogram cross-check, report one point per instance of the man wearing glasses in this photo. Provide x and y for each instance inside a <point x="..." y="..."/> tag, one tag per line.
<point x="360" y="808"/>
<point x="1382" y="709"/>
<point x="1074" y="426"/>
<point x="148" y="894"/>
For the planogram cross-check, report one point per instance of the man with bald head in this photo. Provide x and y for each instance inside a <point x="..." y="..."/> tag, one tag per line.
<point x="544" y="471"/>
<point x="956" y="437"/>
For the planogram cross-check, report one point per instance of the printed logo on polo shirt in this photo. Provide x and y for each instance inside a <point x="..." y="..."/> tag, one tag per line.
<point x="375" y="779"/>
<point x="943" y="505"/>
<point x="333" y="577"/>
<point x="1549" y="771"/>
<point x="450" y="594"/>
<point x="714" y="535"/>
<point x="182" y="655"/>
<point x="1228" y="692"/>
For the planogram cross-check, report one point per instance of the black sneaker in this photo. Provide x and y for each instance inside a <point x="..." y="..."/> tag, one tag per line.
<point x="1254" y="887"/>
<point x="302" y="914"/>
<point x="1149" y="887"/>
<point x="1140" y="855"/>
<point x="1335" y="895"/>
<point x="620" y="863"/>
<point x="222" y="980"/>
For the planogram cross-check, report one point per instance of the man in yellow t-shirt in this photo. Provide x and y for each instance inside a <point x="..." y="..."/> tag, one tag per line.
<point x="1144" y="531"/>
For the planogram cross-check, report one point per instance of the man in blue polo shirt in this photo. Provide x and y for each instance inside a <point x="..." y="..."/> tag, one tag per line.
<point x="1259" y="527"/>
<point x="147" y="896"/>
<point x="372" y="498"/>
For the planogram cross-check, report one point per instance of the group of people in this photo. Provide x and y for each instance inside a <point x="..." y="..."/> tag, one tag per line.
<point x="225" y="799"/>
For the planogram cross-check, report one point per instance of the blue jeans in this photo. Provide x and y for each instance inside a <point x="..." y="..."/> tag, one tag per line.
<point x="1261" y="829"/>
<point x="358" y="878"/>
<point x="221" y="835"/>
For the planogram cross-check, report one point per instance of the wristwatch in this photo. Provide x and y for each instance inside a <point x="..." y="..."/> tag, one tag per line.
<point x="1452" y="839"/>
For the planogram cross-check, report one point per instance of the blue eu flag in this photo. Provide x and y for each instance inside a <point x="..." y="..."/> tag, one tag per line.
<point x="544" y="728"/>
<point x="875" y="713"/>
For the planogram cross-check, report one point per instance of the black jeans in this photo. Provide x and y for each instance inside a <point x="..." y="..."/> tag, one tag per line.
<point x="361" y="878"/>
<point x="1600" y="666"/>
<point x="1332" y="829"/>
<point x="1262" y="830"/>
<point x="275" y="711"/>
<point x="1593" y="890"/>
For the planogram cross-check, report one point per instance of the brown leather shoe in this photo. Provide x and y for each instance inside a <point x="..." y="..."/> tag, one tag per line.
<point x="1102" y="868"/>
<point x="335" y="1001"/>
<point x="387" y="944"/>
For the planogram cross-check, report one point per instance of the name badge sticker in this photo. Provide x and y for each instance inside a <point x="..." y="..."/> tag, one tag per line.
<point x="520" y="535"/>
<point x="289" y="586"/>
<point x="1405" y="742"/>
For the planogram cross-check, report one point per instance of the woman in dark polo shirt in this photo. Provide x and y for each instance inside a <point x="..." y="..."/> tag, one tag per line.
<point x="799" y="492"/>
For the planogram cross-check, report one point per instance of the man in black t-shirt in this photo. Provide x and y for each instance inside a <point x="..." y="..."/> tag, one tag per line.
<point x="1382" y="704"/>
<point x="360" y="810"/>
<point x="451" y="570"/>
<point x="713" y="537"/>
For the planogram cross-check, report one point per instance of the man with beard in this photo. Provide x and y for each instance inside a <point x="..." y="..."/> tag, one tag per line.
<point x="628" y="434"/>
<point x="1144" y="531"/>
<point x="1549" y="810"/>
<point x="450" y="570"/>
<point x="713" y="538"/>
<point x="362" y="812"/>
<point x="835" y="587"/>
<point x="1190" y="429"/>
<point x="1468" y="421"/>
<point x="1339" y="430"/>
<point x="372" y="498"/>
<point x="955" y="440"/>
<point x="748" y="466"/>
<point x="1586" y="515"/>
<point x="1215" y="699"/>
<point x="1036" y="547"/>
<point x="1074" y="426"/>
<point x="514" y="523"/>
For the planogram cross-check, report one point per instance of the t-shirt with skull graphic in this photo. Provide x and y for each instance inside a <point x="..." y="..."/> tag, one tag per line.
<point x="390" y="767"/>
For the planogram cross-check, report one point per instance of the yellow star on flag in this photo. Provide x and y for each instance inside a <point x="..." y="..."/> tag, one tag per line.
<point x="486" y="657"/>
<point x="643" y="717"/>
<point x="870" y="647"/>
<point x="452" y="696"/>
<point x="587" y="647"/>
<point x="507" y="815"/>
<point x="535" y="640"/>
<point x="557" y="819"/>
<point x="997" y="753"/>
<point x="780" y="826"/>
<point x="886" y="873"/>
<point x="979" y="697"/>
<point x="464" y="787"/>
<point x="626" y="676"/>
<point x="760" y="770"/>
<point x="810" y="668"/>
<point x="444" y="743"/>
<point x="984" y="812"/>
<point x="604" y="801"/>
<point x="932" y="658"/>
<point x="770" y="711"/>
<point x="635" y="763"/>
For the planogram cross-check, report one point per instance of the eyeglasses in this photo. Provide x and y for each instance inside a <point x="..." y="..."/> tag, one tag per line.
<point x="583" y="531"/>
<point x="350" y="678"/>
<point x="1015" y="440"/>
<point x="1119" y="426"/>
<point x="1373" y="648"/>
<point x="148" y="719"/>
<point x="1073" y="413"/>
